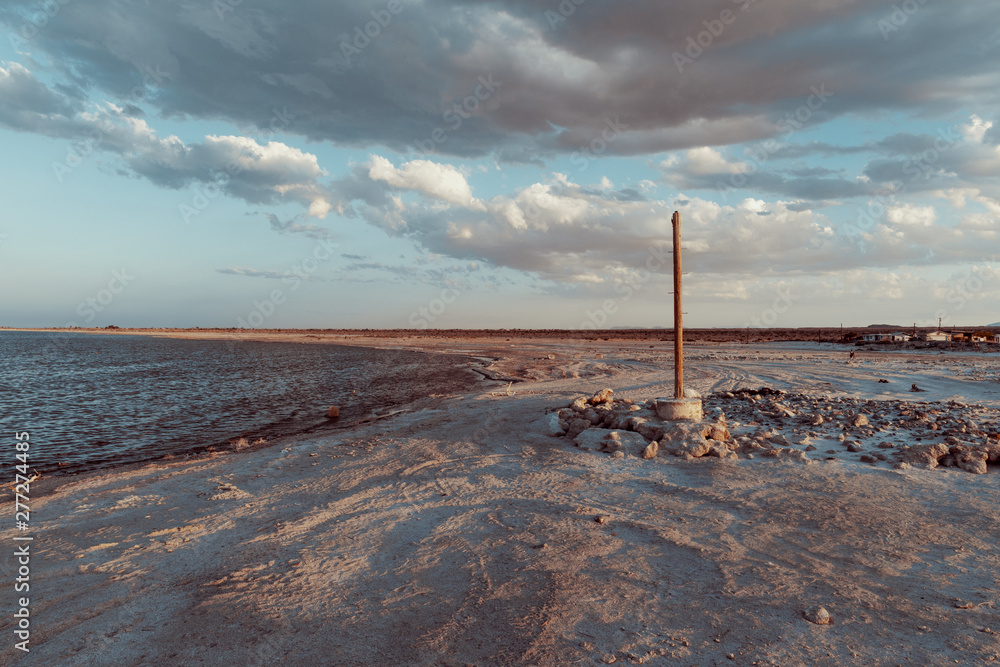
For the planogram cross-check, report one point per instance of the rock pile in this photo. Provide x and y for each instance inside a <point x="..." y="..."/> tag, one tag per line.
<point x="770" y="423"/>
<point x="623" y="427"/>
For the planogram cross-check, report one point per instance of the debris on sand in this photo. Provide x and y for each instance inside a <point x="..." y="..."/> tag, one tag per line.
<point x="773" y="424"/>
<point x="817" y="615"/>
<point x="916" y="388"/>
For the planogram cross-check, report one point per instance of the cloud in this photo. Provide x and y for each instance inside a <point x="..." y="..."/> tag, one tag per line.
<point x="254" y="273"/>
<point x="293" y="227"/>
<point x="908" y="214"/>
<point x="955" y="157"/>
<point x="558" y="81"/>
<point x="26" y="104"/>
<point x="257" y="173"/>
<point x="440" y="181"/>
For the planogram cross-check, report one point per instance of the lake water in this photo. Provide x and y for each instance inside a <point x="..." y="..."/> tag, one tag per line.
<point x="94" y="401"/>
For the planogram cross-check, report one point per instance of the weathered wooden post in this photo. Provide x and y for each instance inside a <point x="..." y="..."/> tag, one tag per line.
<point x="678" y="311"/>
<point x="678" y="408"/>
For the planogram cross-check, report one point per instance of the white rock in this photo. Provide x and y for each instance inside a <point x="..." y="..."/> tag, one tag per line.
<point x="605" y="439"/>
<point x="549" y="425"/>
<point x="592" y="440"/>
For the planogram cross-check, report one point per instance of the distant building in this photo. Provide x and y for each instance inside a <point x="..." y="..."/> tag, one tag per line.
<point x="898" y="337"/>
<point x="938" y="336"/>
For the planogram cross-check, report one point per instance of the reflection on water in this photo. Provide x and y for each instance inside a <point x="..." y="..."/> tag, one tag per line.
<point x="90" y="401"/>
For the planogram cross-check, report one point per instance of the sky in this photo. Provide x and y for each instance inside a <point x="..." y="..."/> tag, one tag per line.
<point x="498" y="163"/>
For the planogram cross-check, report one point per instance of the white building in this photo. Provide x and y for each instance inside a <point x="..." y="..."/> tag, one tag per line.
<point x="898" y="337"/>
<point x="938" y="335"/>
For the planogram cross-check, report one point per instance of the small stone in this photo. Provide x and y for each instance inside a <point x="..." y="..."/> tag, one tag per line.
<point x="618" y="454"/>
<point x="783" y="410"/>
<point x="817" y="420"/>
<point x="651" y="451"/>
<point x="854" y="446"/>
<point x="578" y="404"/>
<point x="551" y="425"/>
<point x="817" y="615"/>
<point x="602" y="397"/>
<point x="600" y="519"/>
<point x="333" y="412"/>
<point x="859" y="420"/>
<point x="576" y="427"/>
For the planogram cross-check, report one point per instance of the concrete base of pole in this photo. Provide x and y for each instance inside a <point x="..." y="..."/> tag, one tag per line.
<point x="679" y="409"/>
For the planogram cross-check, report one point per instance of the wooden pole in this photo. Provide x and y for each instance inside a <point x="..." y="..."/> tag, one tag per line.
<point x="678" y="312"/>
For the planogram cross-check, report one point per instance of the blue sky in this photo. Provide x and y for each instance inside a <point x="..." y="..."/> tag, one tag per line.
<point x="501" y="164"/>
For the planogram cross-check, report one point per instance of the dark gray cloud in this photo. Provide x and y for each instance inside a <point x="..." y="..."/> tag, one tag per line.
<point x="525" y="83"/>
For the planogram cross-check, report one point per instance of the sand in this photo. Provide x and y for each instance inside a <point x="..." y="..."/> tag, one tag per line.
<point x="458" y="533"/>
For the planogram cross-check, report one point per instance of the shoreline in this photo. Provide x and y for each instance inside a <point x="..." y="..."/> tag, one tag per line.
<point x="254" y="439"/>
<point x="461" y="533"/>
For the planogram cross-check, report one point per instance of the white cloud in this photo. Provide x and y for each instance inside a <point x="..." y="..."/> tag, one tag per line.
<point x="707" y="160"/>
<point x="909" y="214"/>
<point x="975" y="129"/>
<point x="439" y="181"/>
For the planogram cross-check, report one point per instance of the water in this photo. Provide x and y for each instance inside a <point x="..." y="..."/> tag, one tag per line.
<point x="92" y="401"/>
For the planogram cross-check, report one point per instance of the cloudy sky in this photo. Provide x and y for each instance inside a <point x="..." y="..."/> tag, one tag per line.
<point x="498" y="163"/>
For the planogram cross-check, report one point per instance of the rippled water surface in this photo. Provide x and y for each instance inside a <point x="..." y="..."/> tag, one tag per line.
<point x="91" y="401"/>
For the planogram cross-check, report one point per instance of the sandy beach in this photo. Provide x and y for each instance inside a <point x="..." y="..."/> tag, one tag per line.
<point x="458" y="532"/>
